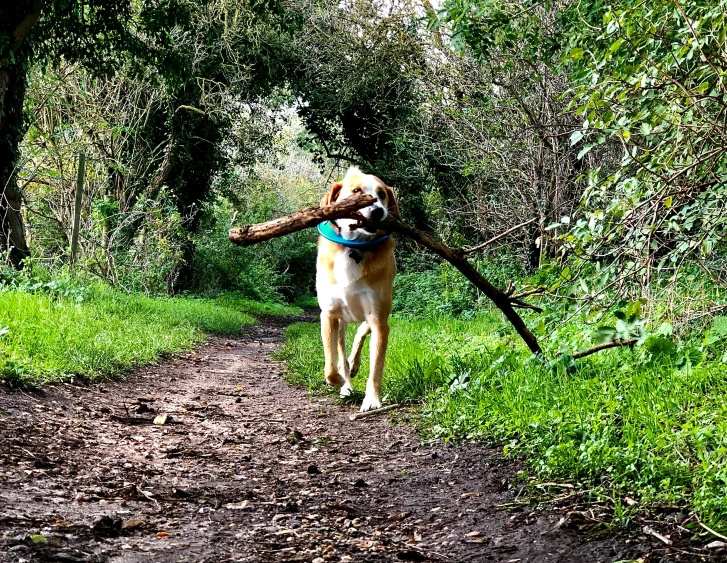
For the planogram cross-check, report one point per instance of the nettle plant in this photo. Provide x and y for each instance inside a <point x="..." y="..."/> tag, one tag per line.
<point x="630" y="326"/>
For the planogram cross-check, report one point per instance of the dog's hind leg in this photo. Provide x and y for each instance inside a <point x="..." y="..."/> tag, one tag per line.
<point x="354" y="360"/>
<point x="343" y="366"/>
<point x="329" y="335"/>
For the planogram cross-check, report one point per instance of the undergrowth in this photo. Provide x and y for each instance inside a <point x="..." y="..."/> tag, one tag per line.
<point x="649" y="423"/>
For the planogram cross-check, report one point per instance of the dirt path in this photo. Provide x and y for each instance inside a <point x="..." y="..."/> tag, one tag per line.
<point x="246" y="468"/>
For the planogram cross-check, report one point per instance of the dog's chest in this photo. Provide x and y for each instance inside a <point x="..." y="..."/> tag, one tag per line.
<point x="348" y="267"/>
<point x="342" y="291"/>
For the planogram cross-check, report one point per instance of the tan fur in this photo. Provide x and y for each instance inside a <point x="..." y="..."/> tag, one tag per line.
<point x="356" y="292"/>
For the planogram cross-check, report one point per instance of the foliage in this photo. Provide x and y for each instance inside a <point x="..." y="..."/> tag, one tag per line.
<point x="261" y="272"/>
<point x="163" y="120"/>
<point x="656" y="87"/>
<point x="440" y="291"/>
<point x="645" y="81"/>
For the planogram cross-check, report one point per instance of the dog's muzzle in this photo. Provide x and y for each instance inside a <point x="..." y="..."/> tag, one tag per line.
<point x="377" y="214"/>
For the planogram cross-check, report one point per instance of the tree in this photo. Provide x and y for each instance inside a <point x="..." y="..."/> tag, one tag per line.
<point x="645" y="82"/>
<point x="191" y="67"/>
<point x="49" y="30"/>
<point x="16" y="22"/>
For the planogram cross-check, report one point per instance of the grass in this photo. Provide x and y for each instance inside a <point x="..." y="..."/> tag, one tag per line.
<point x="96" y="332"/>
<point x="622" y="423"/>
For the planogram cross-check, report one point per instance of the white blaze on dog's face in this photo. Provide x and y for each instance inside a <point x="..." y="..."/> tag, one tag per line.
<point x="356" y="182"/>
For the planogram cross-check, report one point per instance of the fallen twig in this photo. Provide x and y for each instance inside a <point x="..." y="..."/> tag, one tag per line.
<point x="245" y="420"/>
<point x="711" y="531"/>
<point x="560" y="485"/>
<point x="657" y="535"/>
<point x="374" y="412"/>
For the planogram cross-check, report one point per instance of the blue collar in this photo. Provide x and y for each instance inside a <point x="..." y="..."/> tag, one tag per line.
<point x="327" y="232"/>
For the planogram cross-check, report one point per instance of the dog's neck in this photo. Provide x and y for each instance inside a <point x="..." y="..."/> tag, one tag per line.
<point x="332" y="232"/>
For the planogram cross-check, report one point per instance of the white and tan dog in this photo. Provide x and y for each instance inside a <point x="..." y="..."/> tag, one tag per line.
<point x="354" y="281"/>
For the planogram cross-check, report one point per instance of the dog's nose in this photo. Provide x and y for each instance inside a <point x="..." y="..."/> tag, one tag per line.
<point x="377" y="214"/>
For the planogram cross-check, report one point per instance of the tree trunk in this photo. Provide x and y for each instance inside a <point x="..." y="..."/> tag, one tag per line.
<point x="13" y="245"/>
<point x="16" y="20"/>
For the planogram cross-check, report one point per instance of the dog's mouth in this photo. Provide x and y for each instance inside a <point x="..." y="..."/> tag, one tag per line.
<point x="361" y="230"/>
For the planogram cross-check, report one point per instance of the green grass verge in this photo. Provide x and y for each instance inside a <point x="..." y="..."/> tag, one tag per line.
<point x="96" y="331"/>
<point x="616" y="422"/>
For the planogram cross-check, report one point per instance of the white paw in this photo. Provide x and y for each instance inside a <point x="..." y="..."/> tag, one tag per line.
<point x="346" y="390"/>
<point x="370" y="403"/>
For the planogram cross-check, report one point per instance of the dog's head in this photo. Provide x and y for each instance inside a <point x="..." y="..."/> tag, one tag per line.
<point x="356" y="182"/>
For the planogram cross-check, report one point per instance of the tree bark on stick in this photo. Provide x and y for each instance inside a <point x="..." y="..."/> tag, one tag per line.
<point x="303" y="219"/>
<point x="347" y="208"/>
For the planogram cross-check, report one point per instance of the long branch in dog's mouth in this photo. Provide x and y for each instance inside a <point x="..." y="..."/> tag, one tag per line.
<point x="368" y="226"/>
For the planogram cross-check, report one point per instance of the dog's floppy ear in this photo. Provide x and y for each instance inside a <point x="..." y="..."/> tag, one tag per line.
<point x="393" y="208"/>
<point x="332" y="196"/>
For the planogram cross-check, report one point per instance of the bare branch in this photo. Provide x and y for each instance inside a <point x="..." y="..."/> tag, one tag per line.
<point x="310" y="217"/>
<point x="613" y="344"/>
<point x="498" y="237"/>
<point x="535" y="291"/>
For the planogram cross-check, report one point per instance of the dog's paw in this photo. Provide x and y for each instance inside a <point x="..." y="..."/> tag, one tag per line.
<point x="370" y="404"/>
<point x="346" y="390"/>
<point x="334" y="379"/>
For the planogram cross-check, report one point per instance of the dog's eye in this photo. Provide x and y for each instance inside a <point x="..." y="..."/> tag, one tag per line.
<point x="381" y="195"/>
<point x="357" y="190"/>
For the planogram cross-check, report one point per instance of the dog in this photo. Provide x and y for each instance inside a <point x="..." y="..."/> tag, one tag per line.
<point x="354" y="281"/>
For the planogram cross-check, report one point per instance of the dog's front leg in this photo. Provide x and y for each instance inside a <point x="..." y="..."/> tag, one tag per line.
<point x="377" y="352"/>
<point x="329" y="335"/>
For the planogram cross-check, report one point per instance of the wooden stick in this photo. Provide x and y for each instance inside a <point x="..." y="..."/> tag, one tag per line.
<point x="657" y="535"/>
<point x="303" y="219"/>
<point x="374" y="412"/>
<point x="347" y="208"/>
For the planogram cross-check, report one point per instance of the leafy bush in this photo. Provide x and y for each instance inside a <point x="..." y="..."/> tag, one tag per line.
<point x="280" y="269"/>
<point x="441" y="291"/>
<point x="421" y="292"/>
